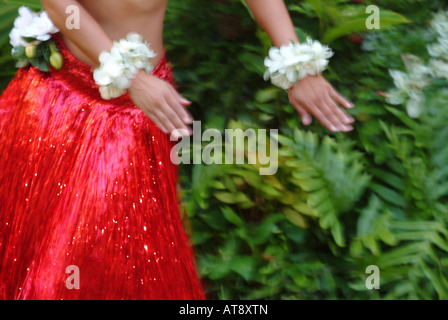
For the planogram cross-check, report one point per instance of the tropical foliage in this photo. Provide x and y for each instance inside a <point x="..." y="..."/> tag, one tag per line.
<point x="339" y="202"/>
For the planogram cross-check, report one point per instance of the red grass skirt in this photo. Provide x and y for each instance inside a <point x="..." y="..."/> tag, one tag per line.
<point x="89" y="183"/>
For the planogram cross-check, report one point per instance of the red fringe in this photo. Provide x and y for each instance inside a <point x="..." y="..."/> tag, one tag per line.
<point x="87" y="182"/>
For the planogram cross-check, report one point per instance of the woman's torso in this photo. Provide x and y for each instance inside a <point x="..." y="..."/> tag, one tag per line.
<point x="119" y="17"/>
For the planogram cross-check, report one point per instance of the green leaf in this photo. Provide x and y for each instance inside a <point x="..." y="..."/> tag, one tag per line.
<point x="389" y="194"/>
<point x="232" y="198"/>
<point x="358" y="24"/>
<point x="244" y="266"/>
<point x="43" y="66"/>
<point x="231" y="216"/>
<point x="338" y="234"/>
<point x="33" y="4"/>
<point x="266" y="95"/>
<point x="295" y="218"/>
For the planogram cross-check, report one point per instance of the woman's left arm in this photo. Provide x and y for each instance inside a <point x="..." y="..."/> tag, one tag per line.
<point x="313" y="95"/>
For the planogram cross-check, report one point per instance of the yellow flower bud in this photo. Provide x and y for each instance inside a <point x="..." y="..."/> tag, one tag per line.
<point x="56" y="60"/>
<point x="30" y="51"/>
<point x="53" y="47"/>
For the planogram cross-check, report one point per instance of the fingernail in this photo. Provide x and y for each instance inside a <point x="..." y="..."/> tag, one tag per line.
<point x="180" y="133"/>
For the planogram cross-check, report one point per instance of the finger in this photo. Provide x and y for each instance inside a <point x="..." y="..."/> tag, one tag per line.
<point x="157" y="117"/>
<point x="170" y="120"/>
<point x="165" y="121"/>
<point x="183" y="101"/>
<point x="330" y="109"/>
<point x="158" y="123"/>
<point x="180" y="110"/>
<point x="339" y="98"/>
<point x="179" y="133"/>
<point x="321" y="117"/>
<point x="304" y="115"/>
<point x="324" y="112"/>
<point x="341" y="114"/>
<point x="327" y="110"/>
<point x="170" y="112"/>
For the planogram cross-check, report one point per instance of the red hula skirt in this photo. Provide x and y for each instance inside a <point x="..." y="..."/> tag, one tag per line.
<point x="88" y="194"/>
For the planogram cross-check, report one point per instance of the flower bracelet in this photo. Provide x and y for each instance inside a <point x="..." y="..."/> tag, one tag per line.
<point x="290" y="63"/>
<point x="119" y="65"/>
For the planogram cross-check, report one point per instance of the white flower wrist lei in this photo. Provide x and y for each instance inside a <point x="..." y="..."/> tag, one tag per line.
<point x="291" y="63"/>
<point x="119" y="65"/>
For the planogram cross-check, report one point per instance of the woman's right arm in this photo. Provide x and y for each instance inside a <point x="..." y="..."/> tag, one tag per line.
<point x="90" y="38"/>
<point x="155" y="97"/>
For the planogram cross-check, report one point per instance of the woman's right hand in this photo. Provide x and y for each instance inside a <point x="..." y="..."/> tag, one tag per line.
<point x="161" y="103"/>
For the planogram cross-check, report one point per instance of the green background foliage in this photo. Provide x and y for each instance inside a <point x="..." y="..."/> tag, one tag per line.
<point x="339" y="201"/>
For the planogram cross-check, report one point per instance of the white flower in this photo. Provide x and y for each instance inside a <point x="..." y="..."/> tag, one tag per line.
<point x="42" y="27"/>
<point x="114" y="68"/>
<point x="120" y="65"/>
<point x="439" y="68"/>
<point x="281" y="81"/>
<point x="290" y="63"/>
<point x="414" y="106"/>
<point x="110" y="92"/>
<point x="31" y="25"/>
<point x="15" y="39"/>
<point x="104" y="92"/>
<point x="101" y="77"/>
<point x="123" y="82"/>
<point x="395" y="96"/>
<point x="135" y="52"/>
<point x="406" y="92"/>
<point x="134" y="37"/>
<point x="25" y="18"/>
<point x="440" y="23"/>
<point x="439" y="49"/>
<point x="401" y="80"/>
<point x="410" y="85"/>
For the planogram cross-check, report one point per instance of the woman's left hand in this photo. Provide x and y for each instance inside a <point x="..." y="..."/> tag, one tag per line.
<point x="314" y="96"/>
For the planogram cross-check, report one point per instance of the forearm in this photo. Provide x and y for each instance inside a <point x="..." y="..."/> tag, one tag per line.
<point x="90" y="38"/>
<point x="274" y="18"/>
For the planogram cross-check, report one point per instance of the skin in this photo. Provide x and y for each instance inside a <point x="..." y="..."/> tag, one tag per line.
<point x="104" y="21"/>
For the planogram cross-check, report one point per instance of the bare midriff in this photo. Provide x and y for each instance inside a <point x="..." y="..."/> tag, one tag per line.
<point x="119" y="17"/>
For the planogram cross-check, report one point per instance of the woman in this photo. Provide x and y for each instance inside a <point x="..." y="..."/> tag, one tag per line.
<point x="87" y="183"/>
